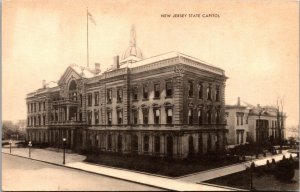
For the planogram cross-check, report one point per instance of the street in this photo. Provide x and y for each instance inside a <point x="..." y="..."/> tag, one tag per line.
<point x="28" y="175"/>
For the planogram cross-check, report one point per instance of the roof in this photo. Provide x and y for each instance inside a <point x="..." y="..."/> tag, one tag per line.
<point x="166" y="56"/>
<point x="83" y="71"/>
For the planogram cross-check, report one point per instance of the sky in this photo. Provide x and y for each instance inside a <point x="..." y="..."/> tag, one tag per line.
<point x="255" y="42"/>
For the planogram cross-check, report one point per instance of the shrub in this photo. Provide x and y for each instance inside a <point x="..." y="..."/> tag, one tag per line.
<point x="284" y="170"/>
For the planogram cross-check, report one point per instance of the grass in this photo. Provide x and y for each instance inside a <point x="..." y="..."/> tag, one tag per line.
<point x="157" y="165"/>
<point x="263" y="179"/>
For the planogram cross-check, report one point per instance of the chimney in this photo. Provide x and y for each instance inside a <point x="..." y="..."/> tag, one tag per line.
<point x="44" y="83"/>
<point x="239" y="101"/>
<point x="97" y="68"/>
<point x="116" y="64"/>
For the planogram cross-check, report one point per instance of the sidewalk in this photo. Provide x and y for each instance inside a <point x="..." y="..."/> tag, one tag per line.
<point x="219" y="172"/>
<point x="75" y="161"/>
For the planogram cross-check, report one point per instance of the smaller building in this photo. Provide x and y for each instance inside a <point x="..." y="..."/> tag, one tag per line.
<point x="237" y="123"/>
<point x="248" y="123"/>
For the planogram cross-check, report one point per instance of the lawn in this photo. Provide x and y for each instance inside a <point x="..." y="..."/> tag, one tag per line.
<point x="157" y="165"/>
<point x="262" y="180"/>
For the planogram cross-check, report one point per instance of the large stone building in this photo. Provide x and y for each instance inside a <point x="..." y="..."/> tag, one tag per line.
<point x="167" y="105"/>
<point x="247" y="123"/>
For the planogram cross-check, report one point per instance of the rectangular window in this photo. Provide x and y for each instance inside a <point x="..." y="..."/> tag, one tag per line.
<point x="119" y="95"/>
<point x="145" y="91"/>
<point x="44" y="120"/>
<point x="109" y="120"/>
<point x="200" y="117"/>
<point x="200" y="91"/>
<point x="44" y="106"/>
<point x="120" y="117"/>
<point x="156" y="116"/>
<point x="242" y="118"/>
<point x="217" y="96"/>
<point x="28" y="107"/>
<point x="34" y="107"/>
<point x="109" y="95"/>
<point x="208" y="93"/>
<point x="96" y="98"/>
<point x="169" y="116"/>
<point x="190" y="88"/>
<point x="169" y="89"/>
<point x="96" y="117"/>
<point x="40" y="106"/>
<point x="145" y="117"/>
<point x="135" y="93"/>
<point x="89" y="117"/>
<point x="237" y="119"/>
<point x="156" y="91"/>
<point x="90" y="97"/>
<point x="134" y="117"/>
<point x="190" y="114"/>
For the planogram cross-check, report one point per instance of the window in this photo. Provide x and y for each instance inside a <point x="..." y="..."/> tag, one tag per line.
<point x="169" y="89"/>
<point x="73" y="96"/>
<point x="169" y="116"/>
<point x="28" y="109"/>
<point x="80" y="97"/>
<point x="120" y="145"/>
<point x="190" y="116"/>
<point x="200" y="144"/>
<point x="135" y="93"/>
<point x="96" y="98"/>
<point x="96" y="117"/>
<point x="208" y="117"/>
<point x="156" y="91"/>
<point x="146" y="143"/>
<point x="145" y="91"/>
<point x="217" y="96"/>
<point x="145" y="116"/>
<point x="200" y="91"/>
<point x="190" y="88"/>
<point x="90" y="97"/>
<point x="109" y="142"/>
<point x="242" y="118"/>
<point x="44" y="120"/>
<point x="28" y="123"/>
<point x="218" y="117"/>
<point x="34" y="107"/>
<point x="237" y="119"/>
<point x="44" y="106"/>
<point x="157" y="144"/>
<point x="120" y="117"/>
<point x="134" y="143"/>
<point x="156" y="113"/>
<point x="208" y="90"/>
<point x="134" y="116"/>
<point x="200" y="117"/>
<point x="109" y="122"/>
<point x="119" y="95"/>
<point x="89" y="117"/>
<point x="109" y="95"/>
<point x="40" y="106"/>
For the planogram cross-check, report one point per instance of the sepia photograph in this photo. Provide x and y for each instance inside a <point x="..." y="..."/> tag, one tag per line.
<point x="136" y="95"/>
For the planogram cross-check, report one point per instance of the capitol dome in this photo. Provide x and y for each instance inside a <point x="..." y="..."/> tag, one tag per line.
<point x="132" y="53"/>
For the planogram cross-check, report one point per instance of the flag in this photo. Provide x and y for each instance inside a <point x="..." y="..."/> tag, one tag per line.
<point x="91" y="18"/>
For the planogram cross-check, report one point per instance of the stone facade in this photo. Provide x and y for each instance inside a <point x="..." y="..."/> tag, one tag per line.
<point x="168" y="105"/>
<point x="246" y="123"/>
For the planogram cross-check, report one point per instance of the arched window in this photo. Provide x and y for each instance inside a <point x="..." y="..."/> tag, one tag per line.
<point x="73" y="85"/>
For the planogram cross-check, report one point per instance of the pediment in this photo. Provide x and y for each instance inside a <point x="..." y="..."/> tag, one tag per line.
<point x="69" y="74"/>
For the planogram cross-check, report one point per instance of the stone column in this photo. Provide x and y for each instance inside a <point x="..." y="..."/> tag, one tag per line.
<point x="68" y="118"/>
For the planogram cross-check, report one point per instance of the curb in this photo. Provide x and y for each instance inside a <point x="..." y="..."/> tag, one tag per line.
<point x="66" y="166"/>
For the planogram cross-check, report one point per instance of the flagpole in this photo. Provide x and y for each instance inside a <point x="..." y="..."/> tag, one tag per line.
<point x="87" y="34"/>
